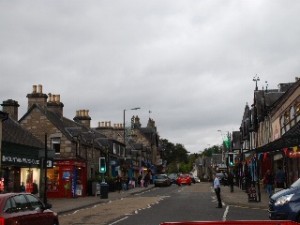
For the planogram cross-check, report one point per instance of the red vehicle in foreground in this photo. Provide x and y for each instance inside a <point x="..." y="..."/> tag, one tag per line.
<point x="184" y="179"/>
<point x="25" y="208"/>
<point x="236" y="222"/>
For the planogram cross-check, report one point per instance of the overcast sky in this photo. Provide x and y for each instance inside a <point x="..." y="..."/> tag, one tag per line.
<point x="191" y="62"/>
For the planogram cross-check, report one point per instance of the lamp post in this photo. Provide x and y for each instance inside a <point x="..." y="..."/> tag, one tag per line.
<point x="45" y="169"/>
<point x="124" y="111"/>
<point x="222" y="145"/>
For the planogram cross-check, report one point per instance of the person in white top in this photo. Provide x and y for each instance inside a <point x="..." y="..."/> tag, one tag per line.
<point x="218" y="190"/>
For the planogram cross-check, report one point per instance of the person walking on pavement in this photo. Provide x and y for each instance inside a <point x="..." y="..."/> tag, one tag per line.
<point x="217" y="188"/>
<point x="269" y="182"/>
<point x="280" y="178"/>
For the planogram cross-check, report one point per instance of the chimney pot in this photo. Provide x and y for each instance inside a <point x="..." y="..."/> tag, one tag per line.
<point x="33" y="89"/>
<point x="40" y="88"/>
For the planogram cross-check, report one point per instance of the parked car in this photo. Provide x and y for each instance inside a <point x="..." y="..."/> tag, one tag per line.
<point x="193" y="179"/>
<point x="197" y="179"/>
<point x="25" y="208"/>
<point x="184" y="179"/>
<point x="162" y="180"/>
<point x="285" y="204"/>
<point x="173" y="177"/>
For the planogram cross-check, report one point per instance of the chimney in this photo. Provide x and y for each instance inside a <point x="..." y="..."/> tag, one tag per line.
<point x="37" y="97"/>
<point x="11" y="107"/>
<point x="151" y="123"/>
<point x="82" y="116"/>
<point x="136" y="121"/>
<point x="54" y="105"/>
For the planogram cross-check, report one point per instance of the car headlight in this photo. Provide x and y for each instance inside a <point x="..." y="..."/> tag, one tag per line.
<point x="283" y="199"/>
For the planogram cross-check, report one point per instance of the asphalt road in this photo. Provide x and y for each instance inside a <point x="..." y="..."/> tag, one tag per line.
<point x="166" y="204"/>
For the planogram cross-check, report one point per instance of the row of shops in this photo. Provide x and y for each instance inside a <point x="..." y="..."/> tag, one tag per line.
<point x="251" y="166"/>
<point x="65" y="179"/>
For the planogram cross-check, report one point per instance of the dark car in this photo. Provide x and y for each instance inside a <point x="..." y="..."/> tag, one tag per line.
<point x="162" y="180"/>
<point x="173" y="177"/>
<point x="25" y="208"/>
<point x="285" y="204"/>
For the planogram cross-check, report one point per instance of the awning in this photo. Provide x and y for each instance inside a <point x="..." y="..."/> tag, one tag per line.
<point x="290" y="139"/>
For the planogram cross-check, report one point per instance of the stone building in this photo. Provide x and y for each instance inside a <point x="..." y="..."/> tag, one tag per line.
<point x="142" y="150"/>
<point x="270" y="131"/>
<point x="77" y="147"/>
<point x="21" y="154"/>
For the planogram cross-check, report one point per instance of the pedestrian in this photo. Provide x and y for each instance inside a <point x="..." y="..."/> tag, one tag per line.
<point x="22" y="187"/>
<point x="230" y="181"/>
<point x="280" y="178"/>
<point x="269" y="182"/>
<point x="217" y="188"/>
<point x="146" y="179"/>
<point x="119" y="183"/>
<point x="35" y="189"/>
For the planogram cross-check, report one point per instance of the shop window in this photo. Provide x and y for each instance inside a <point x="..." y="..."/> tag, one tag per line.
<point x="53" y="179"/>
<point x="55" y="144"/>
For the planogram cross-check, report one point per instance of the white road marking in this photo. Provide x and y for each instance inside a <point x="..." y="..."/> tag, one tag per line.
<point x="117" y="221"/>
<point x="225" y="213"/>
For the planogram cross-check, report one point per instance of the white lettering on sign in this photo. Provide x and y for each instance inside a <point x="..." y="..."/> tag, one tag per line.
<point x="20" y="160"/>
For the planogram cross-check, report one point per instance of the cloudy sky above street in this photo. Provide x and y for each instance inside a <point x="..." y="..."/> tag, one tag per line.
<point x="191" y="63"/>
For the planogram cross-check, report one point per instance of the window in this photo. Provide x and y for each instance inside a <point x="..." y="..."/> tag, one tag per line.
<point x="21" y="202"/>
<point x="35" y="203"/>
<point x="10" y="206"/>
<point x="55" y="144"/>
<point x="282" y="127"/>
<point x="297" y="112"/>
<point x="292" y="114"/>
<point x="114" y="148"/>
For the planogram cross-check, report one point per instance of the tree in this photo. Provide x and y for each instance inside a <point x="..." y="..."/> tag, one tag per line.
<point x="176" y="156"/>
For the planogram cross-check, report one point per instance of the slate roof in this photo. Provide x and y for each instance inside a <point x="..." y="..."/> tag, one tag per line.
<point x="71" y="129"/>
<point x="14" y="133"/>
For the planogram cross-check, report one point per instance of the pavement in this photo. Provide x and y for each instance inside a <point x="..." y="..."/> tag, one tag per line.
<point x="236" y="198"/>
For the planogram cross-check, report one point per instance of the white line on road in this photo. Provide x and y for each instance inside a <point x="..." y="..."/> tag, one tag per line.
<point x="124" y="218"/>
<point x="225" y="213"/>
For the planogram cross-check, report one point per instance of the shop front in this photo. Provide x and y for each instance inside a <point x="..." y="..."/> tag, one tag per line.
<point x="67" y="179"/>
<point x="20" y="168"/>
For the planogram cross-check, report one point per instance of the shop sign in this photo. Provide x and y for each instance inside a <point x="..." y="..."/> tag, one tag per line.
<point x="20" y="160"/>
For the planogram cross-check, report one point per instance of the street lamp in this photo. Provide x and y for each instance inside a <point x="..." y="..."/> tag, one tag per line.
<point x="223" y="154"/>
<point x="136" y="108"/>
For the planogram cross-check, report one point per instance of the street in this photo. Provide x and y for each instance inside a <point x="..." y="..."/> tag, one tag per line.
<point x="166" y="204"/>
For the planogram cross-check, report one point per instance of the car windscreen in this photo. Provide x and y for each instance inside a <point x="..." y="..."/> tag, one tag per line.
<point x="161" y="177"/>
<point x="296" y="184"/>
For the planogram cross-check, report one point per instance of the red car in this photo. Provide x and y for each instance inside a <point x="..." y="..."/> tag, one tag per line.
<point x="184" y="179"/>
<point x="25" y="209"/>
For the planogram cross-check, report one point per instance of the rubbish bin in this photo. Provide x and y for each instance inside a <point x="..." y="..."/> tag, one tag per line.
<point x="104" y="190"/>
